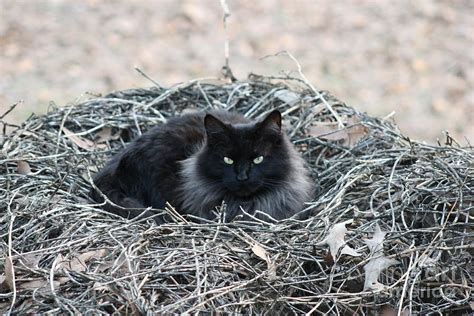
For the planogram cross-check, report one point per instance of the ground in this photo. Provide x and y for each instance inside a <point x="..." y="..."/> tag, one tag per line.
<point x="412" y="57"/>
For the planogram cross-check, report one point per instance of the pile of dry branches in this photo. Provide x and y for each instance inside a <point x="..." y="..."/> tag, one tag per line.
<point x="390" y="228"/>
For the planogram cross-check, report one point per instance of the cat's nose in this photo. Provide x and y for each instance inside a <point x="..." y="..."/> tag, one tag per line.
<point x="242" y="176"/>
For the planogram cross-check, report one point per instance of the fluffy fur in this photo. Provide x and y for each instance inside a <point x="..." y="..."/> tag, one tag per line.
<point x="182" y="162"/>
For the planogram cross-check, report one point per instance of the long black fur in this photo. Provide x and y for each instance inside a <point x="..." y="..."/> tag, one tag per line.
<point x="182" y="162"/>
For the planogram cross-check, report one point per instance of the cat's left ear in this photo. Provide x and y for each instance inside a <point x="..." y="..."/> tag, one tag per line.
<point x="272" y="122"/>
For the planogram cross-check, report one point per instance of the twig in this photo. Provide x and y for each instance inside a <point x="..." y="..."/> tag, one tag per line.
<point x="226" y="69"/>
<point x="11" y="108"/>
<point x="414" y="191"/>
<point x="148" y="77"/>
<point x="326" y="103"/>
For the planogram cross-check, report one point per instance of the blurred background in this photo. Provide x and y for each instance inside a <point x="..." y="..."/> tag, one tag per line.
<point x="412" y="57"/>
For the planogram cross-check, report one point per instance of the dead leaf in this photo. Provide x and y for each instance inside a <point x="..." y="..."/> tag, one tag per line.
<point x="33" y="284"/>
<point x="335" y="240"/>
<point x="4" y="307"/>
<point x="40" y="285"/>
<point x="94" y="254"/>
<point x="120" y="265"/>
<point x="22" y="200"/>
<point x="105" y="134"/>
<point x="315" y="110"/>
<point x="389" y="311"/>
<point x="63" y="280"/>
<point x="372" y="272"/>
<point x="100" y="287"/>
<point x="82" y="142"/>
<point x="3" y="285"/>
<point x="23" y="167"/>
<point x="355" y="134"/>
<point x="328" y="259"/>
<point x="376" y="243"/>
<point x="76" y="264"/>
<point x="427" y="261"/>
<point x="375" y="266"/>
<point x="58" y="266"/>
<point x="262" y="254"/>
<point x="79" y="263"/>
<point x="9" y="273"/>
<point x="287" y="96"/>
<point x="30" y="260"/>
<point x="189" y="111"/>
<point x="330" y="131"/>
<point x="58" y="262"/>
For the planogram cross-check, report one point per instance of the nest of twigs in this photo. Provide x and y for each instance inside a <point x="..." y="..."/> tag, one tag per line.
<point x="380" y="197"/>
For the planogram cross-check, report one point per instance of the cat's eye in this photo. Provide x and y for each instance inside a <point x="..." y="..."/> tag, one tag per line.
<point x="228" y="161"/>
<point x="258" y="160"/>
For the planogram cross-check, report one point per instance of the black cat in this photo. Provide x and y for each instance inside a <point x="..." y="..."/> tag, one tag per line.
<point x="198" y="160"/>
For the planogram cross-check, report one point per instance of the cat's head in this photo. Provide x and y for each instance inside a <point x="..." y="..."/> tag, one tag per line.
<point x="245" y="158"/>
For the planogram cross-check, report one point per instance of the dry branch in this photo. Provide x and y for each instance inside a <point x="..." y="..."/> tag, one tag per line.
<point x="85" y="260"/>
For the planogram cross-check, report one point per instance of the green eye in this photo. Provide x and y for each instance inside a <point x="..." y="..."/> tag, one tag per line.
<point x="258" y="160"/>
<point x="228" y="161"/>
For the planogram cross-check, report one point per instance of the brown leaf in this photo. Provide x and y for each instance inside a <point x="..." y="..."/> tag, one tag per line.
<point x="94" y="254"/>
<point x="355" y="134"/>
<point x="328" y="259"/>
<point x="33" y="284"/>
<point x="4" y="307"/>
<point x="75" y="264"/>
<point x="336" y="240"/>
<point x="119" y="265"/>
<point x="105" y="135"/>
<point x="100" y="287"/>
<point x="41" y="285"/>
<point x="60" y="261"/>
<point x="330" y="131"/>
<point x="82" y="142"/>
<point x="78" y="263"/>
<point x="62" y="280"/>
<point x="260" y="252"/>
<point x="3" y="287"/>
<point x="9" y="273"/>
<point x="30" y="260"/>
<point x="388" y="310"/>
<point x="23" y="167"/>
<point x="287" y="96"/>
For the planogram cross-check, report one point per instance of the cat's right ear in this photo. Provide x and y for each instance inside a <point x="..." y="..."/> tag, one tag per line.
<point x="272" y="122"/>
<point x="215" y="129"/>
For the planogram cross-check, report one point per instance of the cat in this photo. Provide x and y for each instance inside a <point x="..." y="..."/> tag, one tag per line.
<point x="198" y="160"/>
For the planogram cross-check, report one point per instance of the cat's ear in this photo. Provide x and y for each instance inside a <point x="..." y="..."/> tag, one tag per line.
<point x="214" y="127"/>
<point x="272" y="122"/>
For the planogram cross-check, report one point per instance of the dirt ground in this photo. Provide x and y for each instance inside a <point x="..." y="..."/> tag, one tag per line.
<point x="412" y="57"/>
